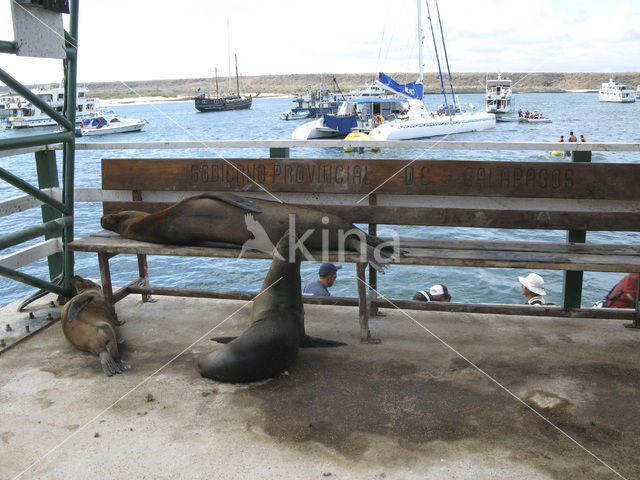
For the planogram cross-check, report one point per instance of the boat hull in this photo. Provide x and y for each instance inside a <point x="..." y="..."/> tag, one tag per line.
<point x="433" y="127"/>
<point x="314" y="130"/>
<point x="205" y="104"/>
<point x="107" y="130"/>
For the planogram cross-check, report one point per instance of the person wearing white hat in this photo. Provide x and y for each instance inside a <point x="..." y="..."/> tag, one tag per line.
<point x="533" y="289"/>
<point x="437" y="293"/>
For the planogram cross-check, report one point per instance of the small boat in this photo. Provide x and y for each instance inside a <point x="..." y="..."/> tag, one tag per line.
<point x="295" y="114"/>
<point x="498" y="96"/>
<point x="359" y="136"/>
<point x="612" y="92"/>
<point x="534" y="120"/>
<point x="638" y="92"/>
<point x="108" y="122"/>
<point x="314" y="103"/>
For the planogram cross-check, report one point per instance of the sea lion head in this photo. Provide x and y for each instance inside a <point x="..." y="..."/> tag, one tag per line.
<point x="115" y="221"/>
<point x="80" y="284"/>
<point x="285" y="244"/>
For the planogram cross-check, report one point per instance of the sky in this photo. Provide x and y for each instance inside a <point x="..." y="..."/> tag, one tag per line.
<point x="126" y="40"/>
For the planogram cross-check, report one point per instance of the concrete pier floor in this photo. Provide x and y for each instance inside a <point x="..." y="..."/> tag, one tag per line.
<point x="546" y="399"/>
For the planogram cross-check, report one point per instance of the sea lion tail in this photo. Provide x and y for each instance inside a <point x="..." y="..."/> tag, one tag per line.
<point x="110" y="366"/>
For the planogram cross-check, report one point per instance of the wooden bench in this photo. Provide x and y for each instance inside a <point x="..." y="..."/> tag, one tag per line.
<point x="572" y="196"/>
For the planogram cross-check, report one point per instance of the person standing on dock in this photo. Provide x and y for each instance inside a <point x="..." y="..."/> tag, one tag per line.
<point x="533" y="289"/>
<point x="572" y="137"/>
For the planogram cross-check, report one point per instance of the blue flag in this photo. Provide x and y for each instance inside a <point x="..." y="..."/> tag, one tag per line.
<point x="409" y="90"/>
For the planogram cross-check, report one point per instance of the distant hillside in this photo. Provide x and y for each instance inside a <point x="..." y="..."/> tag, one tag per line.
<point x="295" y="83"/>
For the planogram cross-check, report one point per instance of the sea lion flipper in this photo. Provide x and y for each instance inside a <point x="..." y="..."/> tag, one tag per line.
<point x="223" y="339"/>
<point x="111" y="366"/>
<point x="235" y="200"/>
<point x="315" y="342"/>
<point x="77" y="305"/>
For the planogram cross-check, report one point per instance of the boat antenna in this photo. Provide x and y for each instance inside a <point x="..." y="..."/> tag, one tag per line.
<point x="435" y="48"/>
<point x="228" y="57"/>
<point x="237" y="78"/>
<point x="446" y="58"/>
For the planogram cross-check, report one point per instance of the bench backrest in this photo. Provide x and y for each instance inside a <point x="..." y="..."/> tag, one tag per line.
<point x="528" y="195"/>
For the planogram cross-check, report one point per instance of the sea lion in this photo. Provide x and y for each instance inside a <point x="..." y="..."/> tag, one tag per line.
<point x="271" y="342"/>
<point x="224" y="219"/>
<point x="88" y="323"/>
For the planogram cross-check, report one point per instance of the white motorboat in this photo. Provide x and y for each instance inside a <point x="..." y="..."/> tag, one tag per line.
<point x="418" y="122"/>
<point x="108" y="122"/>
<point x="294" y="115"/>
<point x="24" y="114"/>
<point x="612" y="92"/>
<point x="499" y="96"/>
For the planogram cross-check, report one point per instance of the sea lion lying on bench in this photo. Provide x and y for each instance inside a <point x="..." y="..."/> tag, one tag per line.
<point x="224" y="220"/>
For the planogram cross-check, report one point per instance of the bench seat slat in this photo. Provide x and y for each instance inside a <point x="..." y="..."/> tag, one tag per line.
<point x="511" y="255"/>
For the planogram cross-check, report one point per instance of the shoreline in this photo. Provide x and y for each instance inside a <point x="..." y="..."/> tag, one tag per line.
<point x="142" y="100"/>
<point x="109" y="102"/>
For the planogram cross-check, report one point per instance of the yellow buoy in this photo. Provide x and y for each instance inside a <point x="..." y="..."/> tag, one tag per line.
<point x="359" y="136"/>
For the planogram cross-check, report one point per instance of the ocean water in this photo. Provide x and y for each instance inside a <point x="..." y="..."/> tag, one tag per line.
<point x="578" y="112"/>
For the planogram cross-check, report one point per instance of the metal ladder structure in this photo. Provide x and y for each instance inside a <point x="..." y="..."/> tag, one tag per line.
<point x="57" y="205"/>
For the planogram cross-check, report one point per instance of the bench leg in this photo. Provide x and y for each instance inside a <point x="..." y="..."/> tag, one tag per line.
<point x="105" y="277"/>
<point x="636" y="321"/>
<point x="143" y="270"/>
<point x="365" y="333"/>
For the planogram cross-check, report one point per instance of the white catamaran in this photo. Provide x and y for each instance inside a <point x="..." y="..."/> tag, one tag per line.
<point x="418" y="122"/>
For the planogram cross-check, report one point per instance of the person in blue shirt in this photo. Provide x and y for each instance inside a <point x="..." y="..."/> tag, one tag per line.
<point x="327" y="276"/>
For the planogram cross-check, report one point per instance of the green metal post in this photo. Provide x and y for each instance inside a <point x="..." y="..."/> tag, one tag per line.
<point x="69" y="146"/>
<point x="279" y="152"/>
<point x="572" y="294"/>
<point x="48" y="178"/>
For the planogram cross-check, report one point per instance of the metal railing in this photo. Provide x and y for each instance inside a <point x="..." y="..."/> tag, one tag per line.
<point x="57" y="210"/>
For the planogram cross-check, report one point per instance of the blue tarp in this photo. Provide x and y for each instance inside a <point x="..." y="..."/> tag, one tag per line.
<point x="409" y="90"/>
<point x="341" y="124"/>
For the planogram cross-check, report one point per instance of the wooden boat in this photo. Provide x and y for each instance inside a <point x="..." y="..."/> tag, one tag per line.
<point x="206" y="102"/>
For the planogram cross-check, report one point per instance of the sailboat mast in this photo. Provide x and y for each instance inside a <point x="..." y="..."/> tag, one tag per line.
<point x="446" y="58"/>
<point x="237" y="79"/>
<point x="217" y="89"/>
<point x="228" y="58"/>
<point x="435" y="48"/>
<point x="420" y="62"/>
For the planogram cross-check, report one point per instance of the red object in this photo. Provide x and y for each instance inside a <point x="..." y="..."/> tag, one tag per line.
<point x="623" y="295"/>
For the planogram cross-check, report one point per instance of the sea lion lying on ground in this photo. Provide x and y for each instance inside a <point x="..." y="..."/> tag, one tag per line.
<point x="228" y="220"/>
<point x="271" y="343"/>
<point x="88" y="323"/>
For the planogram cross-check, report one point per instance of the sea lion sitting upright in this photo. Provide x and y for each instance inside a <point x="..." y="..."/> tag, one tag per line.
<point x="88" y="323"/>
<point x="220" y="220"/>
<point x="271" y="342"/>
